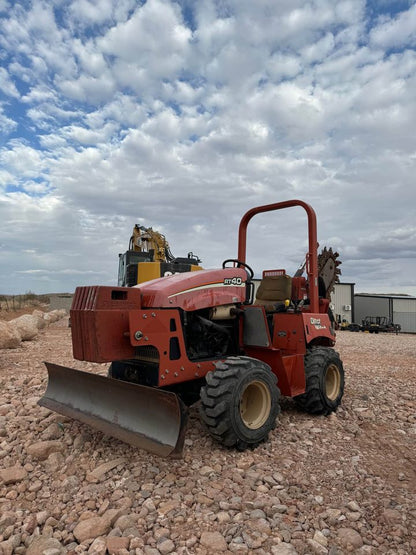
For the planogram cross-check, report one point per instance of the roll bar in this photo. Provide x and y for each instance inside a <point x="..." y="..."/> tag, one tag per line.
<point x="311" y="257"/>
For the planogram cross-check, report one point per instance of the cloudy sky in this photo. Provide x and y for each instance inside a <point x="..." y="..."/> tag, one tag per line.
<point x="183" y="115"/>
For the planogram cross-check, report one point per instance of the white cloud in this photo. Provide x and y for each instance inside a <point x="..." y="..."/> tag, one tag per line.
<point x="85" y="13"/>
<point x="281" y="66"/>
<point x="4" y="5"/>
<point x="90" y="59"/>
<point x="33" y="187"/>
<point x="6" y="178"/>
<point x="123" y="109"/>
<point x="40" y="94"/>
<point x="6" y="84"/>
<point x="88" y="89"/>
<point x="22" y="159"/>
<point x="125" y="113"/>
<point x="92" y="12"/>
<point x="86" y="136"/>
<point x="396" y="32"/>
<point x="154" y="37"/>
<point x="7" y="125"/>
<point x="319" y="50"/>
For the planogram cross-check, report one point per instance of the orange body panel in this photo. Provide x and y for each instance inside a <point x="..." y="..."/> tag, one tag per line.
<point x="195" y="290"/>
<point x="147" y="322"/>
<point x="289" y="369"/>
<point x="100" y="322"/>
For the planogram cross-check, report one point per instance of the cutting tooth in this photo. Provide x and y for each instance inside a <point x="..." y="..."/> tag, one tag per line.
<point x="324" y="257"/>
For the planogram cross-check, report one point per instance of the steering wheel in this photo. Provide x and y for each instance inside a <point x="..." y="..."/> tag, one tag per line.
<point x="240" y="264"/>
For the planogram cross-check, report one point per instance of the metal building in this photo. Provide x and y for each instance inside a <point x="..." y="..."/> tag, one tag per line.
<point x="400" y="309"/>
<point x="342" y="302"/>
<point x="353" y="308"/>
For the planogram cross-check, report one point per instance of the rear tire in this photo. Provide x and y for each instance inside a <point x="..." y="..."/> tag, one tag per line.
<point x="324" y="381"/>
<point x="240" y="402"/>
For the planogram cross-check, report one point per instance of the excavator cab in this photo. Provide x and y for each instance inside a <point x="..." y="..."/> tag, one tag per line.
<point x="149" y="257"/>
<point x="138" y="267"/>
<point x="128" y="264"/>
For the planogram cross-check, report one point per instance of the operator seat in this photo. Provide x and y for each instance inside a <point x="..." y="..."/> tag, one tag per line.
<point x="273" y="291"/>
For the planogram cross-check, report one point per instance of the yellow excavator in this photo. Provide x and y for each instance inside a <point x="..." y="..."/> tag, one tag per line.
<point x="149" y="257"/>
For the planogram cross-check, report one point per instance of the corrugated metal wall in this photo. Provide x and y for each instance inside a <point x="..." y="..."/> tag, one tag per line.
<point x="342" y="297"/>
<point x="404" y="313"/>
<point x="370" y="306"/>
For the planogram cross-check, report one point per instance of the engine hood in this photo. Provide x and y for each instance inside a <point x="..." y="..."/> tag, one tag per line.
<point x="195" y="290"/>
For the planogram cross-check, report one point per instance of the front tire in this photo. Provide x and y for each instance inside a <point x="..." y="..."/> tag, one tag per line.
<point x="324" y="381"/>
<point x="240" y="402"/>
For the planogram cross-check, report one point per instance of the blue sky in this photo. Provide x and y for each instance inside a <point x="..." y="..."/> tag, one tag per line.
<point x="183" y="115"/>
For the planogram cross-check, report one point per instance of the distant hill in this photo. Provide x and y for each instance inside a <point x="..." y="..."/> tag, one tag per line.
<point x="60" y="300"/>
<point x="51" y="301"/>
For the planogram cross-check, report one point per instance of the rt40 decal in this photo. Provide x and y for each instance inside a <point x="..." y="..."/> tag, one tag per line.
<point x="233" y="281"/>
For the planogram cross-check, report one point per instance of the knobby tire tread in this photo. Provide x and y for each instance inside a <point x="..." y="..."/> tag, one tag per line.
<point x="218" y="394"/>
<point x="314" y="400"/>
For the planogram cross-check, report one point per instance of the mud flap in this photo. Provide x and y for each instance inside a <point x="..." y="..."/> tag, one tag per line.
<point x="142" y="416"/>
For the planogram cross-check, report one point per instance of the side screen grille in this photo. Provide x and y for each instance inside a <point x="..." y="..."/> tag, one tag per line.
<point x="84" y="298"/>
<point x="148" y="354"/>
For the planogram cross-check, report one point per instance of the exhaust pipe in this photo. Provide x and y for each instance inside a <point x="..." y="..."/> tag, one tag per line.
<point x="145" y="417"/>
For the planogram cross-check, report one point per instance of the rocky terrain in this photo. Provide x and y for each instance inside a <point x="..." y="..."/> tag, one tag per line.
<point x="25" y="326"/>
<point x="339" y="484"/>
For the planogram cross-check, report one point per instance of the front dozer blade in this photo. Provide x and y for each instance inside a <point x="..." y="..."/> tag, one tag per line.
<point x="142" y="416"/>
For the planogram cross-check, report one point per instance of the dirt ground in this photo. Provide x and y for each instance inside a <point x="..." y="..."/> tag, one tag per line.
<point x="339" y="484"/>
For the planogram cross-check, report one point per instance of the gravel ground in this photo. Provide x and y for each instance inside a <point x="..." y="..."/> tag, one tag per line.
<point x="339" y="484"/>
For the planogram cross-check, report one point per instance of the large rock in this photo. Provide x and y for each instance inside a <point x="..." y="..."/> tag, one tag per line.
<point x="7" y="519"/>
<point x="54" y="315"/>
<point x="12" y="474"/>
<point x="50" y="318"/>
<point x="8" y="547"/>
<point x="392" y="517"/>
<point x="98" y="473"/>
<point x="116" y="544"/>
<point x="283" y="549"/>
<point x="91" y="528"/>
<point x="40" y="320"/>
<point x="42" y="544"/>
<point x="127" y="521"/>
<point x="98" y="547"/>
<point x="26" y="325"/>
<point x="42" y="449"/>
<point x="350" y="538"/>
<point x="316" y="547"/>
<point x="10" y="337"/>
<point x="214" y="541"/>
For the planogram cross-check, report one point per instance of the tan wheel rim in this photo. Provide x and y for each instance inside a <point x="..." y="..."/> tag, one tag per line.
<point x="255" y="405"/>
<point x="332" y="382"/>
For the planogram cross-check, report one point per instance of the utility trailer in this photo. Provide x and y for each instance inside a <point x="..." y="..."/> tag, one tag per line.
<point x="376" y="324"/>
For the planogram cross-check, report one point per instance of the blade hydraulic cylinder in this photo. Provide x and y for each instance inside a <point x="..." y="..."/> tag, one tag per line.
<point x="145" y="417"/>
